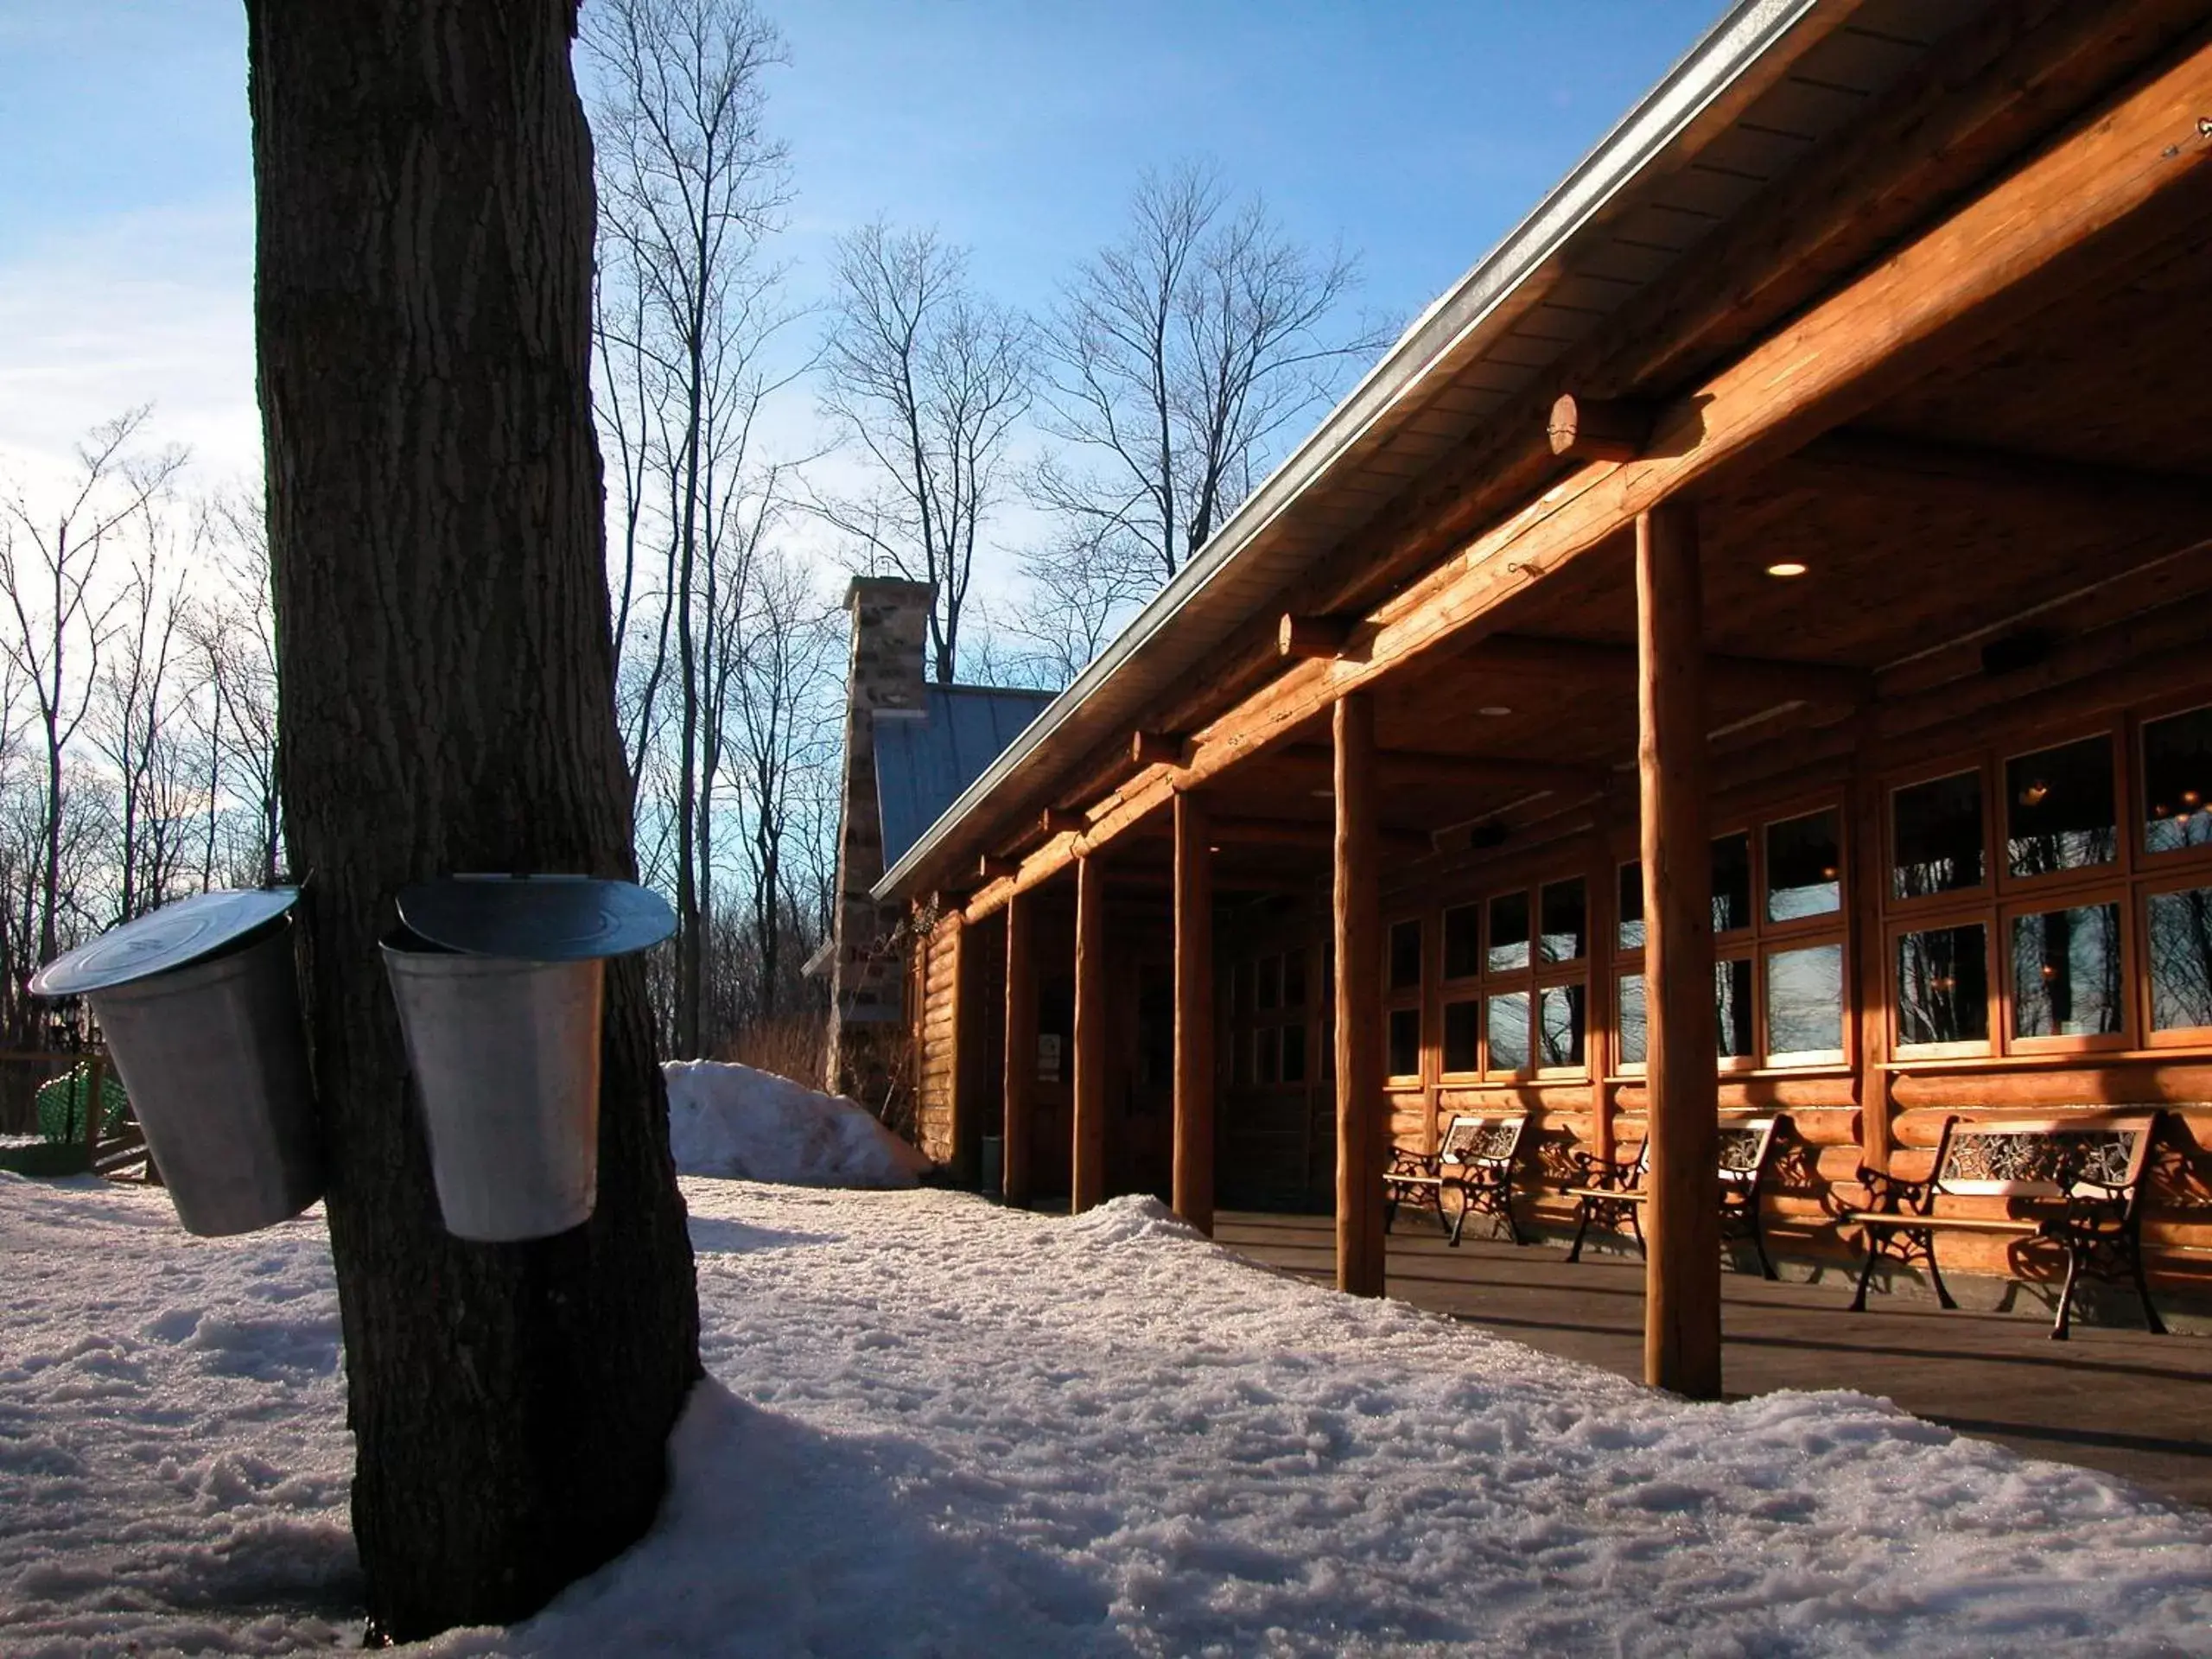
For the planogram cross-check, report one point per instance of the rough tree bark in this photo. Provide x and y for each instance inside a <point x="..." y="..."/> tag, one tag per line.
<point x="424" y="227"/>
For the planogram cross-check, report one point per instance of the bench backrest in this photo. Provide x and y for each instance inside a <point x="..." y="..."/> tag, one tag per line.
<point x="1746" y="1145"/>
<point x="1476" y="1139"/>
<point x="1745" y="1148"/>
<point x="2038" y="1157"/>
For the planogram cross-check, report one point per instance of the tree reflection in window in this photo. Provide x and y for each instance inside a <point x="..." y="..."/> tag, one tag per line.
<point x="1565" y="931"/>
<point x="2177" y="782"/>
<point x="2066" y="973"/>
<point x="2181" y="959"/>
<point x="1560" y="1024"/>
<point x="1804" y="867"/>
<point x="1629" y="1007"/>
<point x="1731" y="993"/>
<point x="1943" y="986"/>
<point x="2059" y="811"/>
<point x="1936" y="836"/>
<point x="1732" y="882"/>
<point x="1804" y="1004"/>
<point x="1508" y="1031"/>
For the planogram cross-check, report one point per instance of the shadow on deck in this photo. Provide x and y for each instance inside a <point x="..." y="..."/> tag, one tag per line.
<point x="2124" y="1401"/>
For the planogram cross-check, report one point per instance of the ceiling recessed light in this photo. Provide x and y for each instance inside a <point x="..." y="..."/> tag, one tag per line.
<point x="1787" y="568"/>
<point x="1493" y="711"/>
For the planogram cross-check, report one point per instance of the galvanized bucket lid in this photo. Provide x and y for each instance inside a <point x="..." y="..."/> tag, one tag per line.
<point x="168" y="937"/>
<point x="537" y="918"/>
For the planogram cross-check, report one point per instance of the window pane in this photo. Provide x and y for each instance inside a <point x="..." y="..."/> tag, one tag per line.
<point x="1508" y="1033"/>
<point x="2181" y="959"/>
<point x="1240" y="987"/>
<point x="1943" y="986"/>
<point x="2066" y="973"/>
<point x="1630" y="930"/>
<point x="1509" y="933"/>
<point x="1732" y="999"/>
<point x="1732" y="882"/>
<point x="1565" y="910"/>
<point x="2058" y="808"/>
<point x="1462" y="941"/>
<point x="1294" y="980"/>
<point x="1405" y="1042"/>
<point x="1461" y="1023"/>
<point x="1265" y="1052"/>
<point x="1560" y="1026"/>
<point x="2177" y="782"/>
<point x="1293" y="1053"/>
<point x="1630" y="993"/>
<point x="1270" y="981"/>
<point x="1804" y="1002"/>
<point x="1804" y="867"/>
<point x="1936" y="829"/>
<point x="1405" y="955"/>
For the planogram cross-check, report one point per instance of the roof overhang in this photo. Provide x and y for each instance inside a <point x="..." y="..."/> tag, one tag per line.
<point x="1291" y="522"/>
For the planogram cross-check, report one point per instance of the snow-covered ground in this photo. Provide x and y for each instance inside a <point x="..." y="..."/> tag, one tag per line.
<point x="935" y="1427"/>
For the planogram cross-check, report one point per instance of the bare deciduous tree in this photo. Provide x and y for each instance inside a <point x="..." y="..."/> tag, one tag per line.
<point x="50" y="568"/>
<point x="931" y="381"/>
<point x="1176" y="357"/>
<point x="686" y="305"/>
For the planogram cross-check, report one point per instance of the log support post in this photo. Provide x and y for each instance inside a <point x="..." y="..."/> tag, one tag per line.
<point x="1193" y="1161"/>
<point x="1362" y="1122"/>
<point x="1019" y="1065"/>
<point x="1682" y="1312"/>
<point x="1088" y="1184"/>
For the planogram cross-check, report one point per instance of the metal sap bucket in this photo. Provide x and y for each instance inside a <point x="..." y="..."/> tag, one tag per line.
<point x="500" y="982"/>
<point x="201" y="1007"/>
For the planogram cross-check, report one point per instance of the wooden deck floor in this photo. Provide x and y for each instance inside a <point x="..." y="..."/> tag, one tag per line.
<point x="2136" y="1405"/>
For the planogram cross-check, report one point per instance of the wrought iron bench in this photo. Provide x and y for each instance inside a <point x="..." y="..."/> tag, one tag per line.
<point x="1611" y="1190"/>
<point x="1476" y="1157"/>
<point x="2077" y="1181"/>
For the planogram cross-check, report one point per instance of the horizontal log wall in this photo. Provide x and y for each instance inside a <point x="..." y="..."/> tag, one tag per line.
<point x="935" y="1056"/>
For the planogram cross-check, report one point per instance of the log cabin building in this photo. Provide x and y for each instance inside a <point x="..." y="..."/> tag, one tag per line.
<point x="1746" y="648"/>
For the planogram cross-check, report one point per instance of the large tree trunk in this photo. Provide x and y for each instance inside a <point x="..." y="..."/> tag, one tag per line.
<point x="424" y="225"/>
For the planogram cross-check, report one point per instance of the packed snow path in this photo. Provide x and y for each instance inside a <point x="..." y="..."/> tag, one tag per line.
<point x="939" y="1427"/>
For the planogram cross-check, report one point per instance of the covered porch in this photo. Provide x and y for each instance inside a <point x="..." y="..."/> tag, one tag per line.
<point x="1789" y="694"/>
<point x="2114" y="1399"/>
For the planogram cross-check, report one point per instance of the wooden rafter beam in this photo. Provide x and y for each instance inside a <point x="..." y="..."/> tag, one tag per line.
<point x="1299" y="832"/>
<point x="1729" y="679"/>
<point x="1306" y="639"/>
<point x="2117" y="182"/>
<point x="1403" y="766"/>
<point x="1915" y="469"/>
<point x="1593" y="429"/>
<point x="1157" y="748"/>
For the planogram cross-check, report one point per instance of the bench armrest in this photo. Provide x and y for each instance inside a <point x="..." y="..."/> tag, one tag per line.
<point x="1888" y="1193"/>
<point x="1617" y="1174"/>
<point x="1403" y="1162"/>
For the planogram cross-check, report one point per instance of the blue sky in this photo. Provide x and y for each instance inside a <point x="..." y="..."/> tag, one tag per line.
<point x="1417" y="130"/>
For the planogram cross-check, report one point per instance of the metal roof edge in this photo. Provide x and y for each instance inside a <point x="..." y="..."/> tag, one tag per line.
<point x="1749" y="30"/>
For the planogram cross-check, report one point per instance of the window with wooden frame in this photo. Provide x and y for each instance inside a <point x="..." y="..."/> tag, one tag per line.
<point x="2055" y="896"/>
<point x="1405" y="956"/>
<point x="1779" y="930"/>
<point x="1516" y="982"/>
<point x="1269" y="1030"/>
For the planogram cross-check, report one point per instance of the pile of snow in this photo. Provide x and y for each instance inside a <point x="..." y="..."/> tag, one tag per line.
<point x="936" y="1427"/>
<point x="732" y="1119"/>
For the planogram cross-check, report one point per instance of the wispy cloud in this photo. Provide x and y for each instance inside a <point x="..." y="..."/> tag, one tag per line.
<point x="145" y="307"/>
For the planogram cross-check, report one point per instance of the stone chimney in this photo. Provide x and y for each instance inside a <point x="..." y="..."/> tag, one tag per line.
<point x="867" y="979"/>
